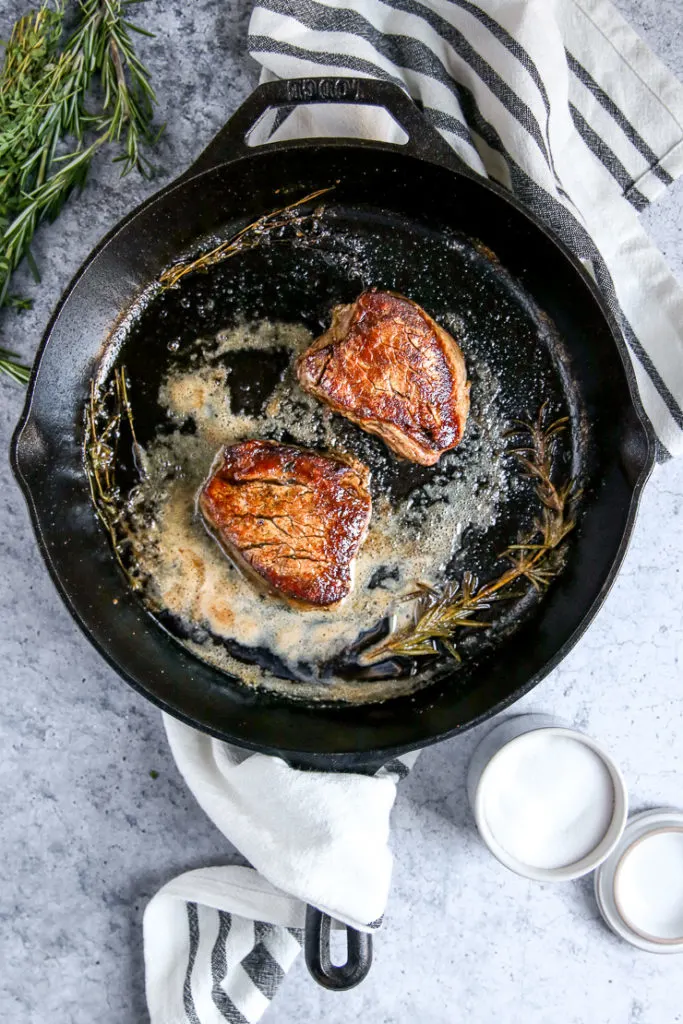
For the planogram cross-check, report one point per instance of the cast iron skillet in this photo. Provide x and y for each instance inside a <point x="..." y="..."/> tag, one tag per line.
<point x="420" y="183"/>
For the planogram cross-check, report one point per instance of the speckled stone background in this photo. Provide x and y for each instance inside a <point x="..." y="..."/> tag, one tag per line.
<point x="87" y="835"/>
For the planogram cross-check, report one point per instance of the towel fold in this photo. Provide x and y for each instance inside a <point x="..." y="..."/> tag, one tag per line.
<point x="218" y="941"/>
<point x="320" y="836"/>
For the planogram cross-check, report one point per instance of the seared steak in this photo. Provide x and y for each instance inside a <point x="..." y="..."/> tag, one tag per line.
<point x="387" y="366"/>
<point x="293" y="517"/>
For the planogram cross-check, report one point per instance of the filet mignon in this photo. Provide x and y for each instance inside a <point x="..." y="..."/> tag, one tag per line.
<point x="387" y="366"/>
<point x="293" y="518"/>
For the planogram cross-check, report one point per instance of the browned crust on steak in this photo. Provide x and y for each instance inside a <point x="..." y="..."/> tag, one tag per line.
<point x="292" y="518"/>
<point x="387" y="366"/>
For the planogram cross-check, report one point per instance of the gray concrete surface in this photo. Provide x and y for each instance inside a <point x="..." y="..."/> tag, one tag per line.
<point x="87" y="835"/>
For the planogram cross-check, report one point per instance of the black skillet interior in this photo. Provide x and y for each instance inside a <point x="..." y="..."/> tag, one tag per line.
<point x="404" y="212"/>
<point x="510" y="348"/>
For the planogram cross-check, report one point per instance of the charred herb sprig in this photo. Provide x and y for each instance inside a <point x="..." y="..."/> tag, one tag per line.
<point x="51" y="126"/>
<point x="108" y="411"/>
<point x="248" y="238"/>
<point x="535" y="558"/>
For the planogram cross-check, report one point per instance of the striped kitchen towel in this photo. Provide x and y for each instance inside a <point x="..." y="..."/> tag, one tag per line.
<point x="218" y="941"/>
<point x="562" y="103"/>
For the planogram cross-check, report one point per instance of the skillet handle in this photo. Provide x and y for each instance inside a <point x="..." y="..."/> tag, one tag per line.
<point x="317" y="953"/>
<point x="423" y="140"/>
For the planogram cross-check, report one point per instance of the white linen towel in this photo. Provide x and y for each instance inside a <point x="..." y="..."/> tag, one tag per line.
<point x="218" y="941"/>
<point x="563" y="104"/>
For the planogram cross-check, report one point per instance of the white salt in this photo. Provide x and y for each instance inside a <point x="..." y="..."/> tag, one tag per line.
<point x="649" y="886"/>
<point x="548" y="799"/>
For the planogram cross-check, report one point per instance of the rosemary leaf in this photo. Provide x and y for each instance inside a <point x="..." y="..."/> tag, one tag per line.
<point x="12" y="369"/>
<point x="19" y="303"/>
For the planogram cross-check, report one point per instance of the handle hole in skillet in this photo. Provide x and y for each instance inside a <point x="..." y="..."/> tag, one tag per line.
<point x="339" y="949"/>
<point x="313" y="121"/>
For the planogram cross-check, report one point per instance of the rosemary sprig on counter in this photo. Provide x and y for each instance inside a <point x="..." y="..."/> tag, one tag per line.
<point x="52" y="123"/>
<point x="9" y="365"/>
<point x="248" y="238"/>
<point x="535" y="558"/>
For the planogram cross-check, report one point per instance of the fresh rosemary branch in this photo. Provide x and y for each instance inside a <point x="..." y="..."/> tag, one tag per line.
<point x="248" y="238"/>
<point x="535" y="558"/>
<point x="52" y="125"/>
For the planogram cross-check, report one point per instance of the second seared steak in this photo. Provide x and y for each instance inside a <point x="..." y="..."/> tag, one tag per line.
<point x="387" y="366"/>
<point x="292" y="517"/>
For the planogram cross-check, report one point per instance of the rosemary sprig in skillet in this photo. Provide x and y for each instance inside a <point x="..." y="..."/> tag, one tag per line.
<point x="536" y="558"/>
<point x="108" y="412"/>
<point x="249" y="237"/>
<point x="52" y="124"/>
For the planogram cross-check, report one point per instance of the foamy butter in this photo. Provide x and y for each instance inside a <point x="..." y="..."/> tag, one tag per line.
<point x="410" y="540"/>
<point x="549" y="799"/>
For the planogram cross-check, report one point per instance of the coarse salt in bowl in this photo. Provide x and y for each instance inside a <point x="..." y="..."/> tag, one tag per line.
<point x="549" y="802"/>
<point x="648" y="886"/>
<point x="639" y="888"/>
